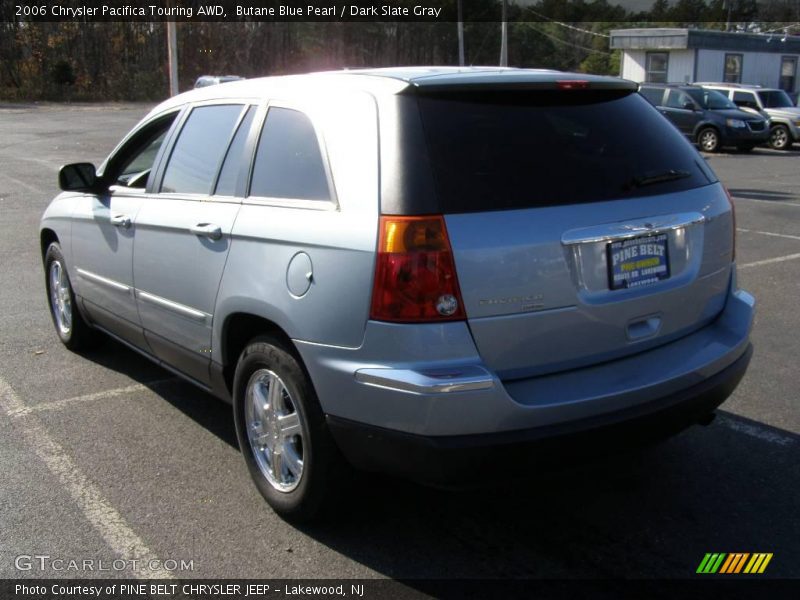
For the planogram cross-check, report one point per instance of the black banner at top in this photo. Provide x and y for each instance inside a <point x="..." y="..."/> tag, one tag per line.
<point x="395" y="11"/>
<point x="243" y="10"/>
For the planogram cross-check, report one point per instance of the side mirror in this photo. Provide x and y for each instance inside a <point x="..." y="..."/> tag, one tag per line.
<point x="77" y="177"/>
<point x="688" y="105"/>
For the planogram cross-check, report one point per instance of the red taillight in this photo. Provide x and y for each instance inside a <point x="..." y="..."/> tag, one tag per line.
<point x="572" y="84"/>
<point x="733" y="224"/>
<point x="415" y="275"/>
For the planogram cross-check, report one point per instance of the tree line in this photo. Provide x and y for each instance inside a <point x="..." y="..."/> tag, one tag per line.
<point x="127" y="60"/>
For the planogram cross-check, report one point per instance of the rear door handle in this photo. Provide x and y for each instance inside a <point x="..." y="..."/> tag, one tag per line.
<point x="123" y="221"/>
<point x="209" y="230"/>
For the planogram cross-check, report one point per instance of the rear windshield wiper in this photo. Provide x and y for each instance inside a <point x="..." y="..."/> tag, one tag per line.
<point x="652" y="178"/>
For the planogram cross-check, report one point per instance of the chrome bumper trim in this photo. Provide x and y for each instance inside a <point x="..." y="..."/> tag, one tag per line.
<point x="435" y="381"/>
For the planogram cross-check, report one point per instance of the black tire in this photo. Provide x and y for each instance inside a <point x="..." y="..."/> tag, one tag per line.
<point x="77" y="334"/>
<point x="324" y="470"/>
<point x="780" y="138"/>
<point x="708" y="139"/>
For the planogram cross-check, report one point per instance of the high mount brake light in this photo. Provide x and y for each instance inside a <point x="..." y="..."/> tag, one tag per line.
<point x="415" y="274"/>
<point x="572" y="84"/>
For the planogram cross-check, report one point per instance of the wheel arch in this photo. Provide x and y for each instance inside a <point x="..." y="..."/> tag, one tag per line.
<point x="706" y="125"/>
<point x="236" y="330"/>
<point x="46" y="237"/>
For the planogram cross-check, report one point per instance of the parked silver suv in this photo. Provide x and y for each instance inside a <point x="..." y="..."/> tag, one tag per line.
<point x="433" y="272"/>
<point x="774" y="104"/>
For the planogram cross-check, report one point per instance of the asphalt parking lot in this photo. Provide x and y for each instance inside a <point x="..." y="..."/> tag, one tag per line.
<point x="106" y="456"/>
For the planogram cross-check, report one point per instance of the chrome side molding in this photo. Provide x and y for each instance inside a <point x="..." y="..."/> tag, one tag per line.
<point x="181" y="309"/>
<point x="115" y="285"/>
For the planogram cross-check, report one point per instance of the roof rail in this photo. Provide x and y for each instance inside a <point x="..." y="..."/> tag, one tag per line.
<point x="730" y="85"/>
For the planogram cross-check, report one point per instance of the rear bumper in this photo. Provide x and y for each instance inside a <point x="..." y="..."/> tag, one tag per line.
<point x="453" y="460"/>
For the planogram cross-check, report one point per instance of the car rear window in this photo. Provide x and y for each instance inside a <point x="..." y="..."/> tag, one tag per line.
<point x="517" y="150"/>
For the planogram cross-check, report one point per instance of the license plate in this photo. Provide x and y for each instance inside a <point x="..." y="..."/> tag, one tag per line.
<point x="637" y="261"/>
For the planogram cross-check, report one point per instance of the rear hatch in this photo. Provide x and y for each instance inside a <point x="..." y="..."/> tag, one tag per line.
<point x="584" y="227"/>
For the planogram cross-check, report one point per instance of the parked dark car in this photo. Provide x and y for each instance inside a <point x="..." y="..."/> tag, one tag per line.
<point x="706" y="117"/>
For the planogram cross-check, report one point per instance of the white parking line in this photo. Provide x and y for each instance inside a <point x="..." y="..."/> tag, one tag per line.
<point x="770" y="202"/>
<point x="770" y="261"/>
<point x="755" y="431"/>
<point x="103" y="517"/>
<point x="769" y="233"/>
<point x="57" y="404"/>
<point x="27" y="186"/>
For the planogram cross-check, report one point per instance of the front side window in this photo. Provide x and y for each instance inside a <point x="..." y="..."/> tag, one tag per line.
<point x="678" y="99"/>
<point x="788" y="73"/>
<point x="656" y="68"/>
<point x="288" y="159"/>
<point x="711" y="99"/>
<point x="197" y="154"/>
<point x="745" y="100"/>
<point x="131" y="166"/>
<point x="733" y="68"/>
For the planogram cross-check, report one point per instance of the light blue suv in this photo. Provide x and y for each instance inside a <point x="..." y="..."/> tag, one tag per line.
<point x="440" y="273"/>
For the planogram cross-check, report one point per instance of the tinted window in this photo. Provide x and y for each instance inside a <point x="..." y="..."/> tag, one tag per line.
<point x="226" y="185"/>
<point x="677" y="99"/>
<point x="653" y="95"/>
<point x="775" y="99"/>
<point x="198" y="152"/>
<point x="131" y="166"/>
<point x="747" y="99"/>
<point x="710" y="99"/>
<point x="519" y="150"/>
<point x="288" y="161"/>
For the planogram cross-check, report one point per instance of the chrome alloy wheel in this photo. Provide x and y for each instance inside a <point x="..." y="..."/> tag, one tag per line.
<point x="60" y="299"/>
<point x="709" y="140"/>
<point x="274" y="430"/>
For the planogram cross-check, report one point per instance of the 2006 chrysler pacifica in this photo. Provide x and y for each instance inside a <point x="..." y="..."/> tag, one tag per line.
<point x="431" y="272"/>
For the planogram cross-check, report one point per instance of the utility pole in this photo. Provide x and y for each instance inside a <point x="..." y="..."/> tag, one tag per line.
<point x="504" y="36"/>
<point x="729" y="5"/>
<point x="460" y="34"/>
<point x="172" y="58"/>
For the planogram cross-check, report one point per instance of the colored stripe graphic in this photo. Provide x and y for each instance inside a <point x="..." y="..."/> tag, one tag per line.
<point x="734" y="562"/>
<point x="711" y="563"/>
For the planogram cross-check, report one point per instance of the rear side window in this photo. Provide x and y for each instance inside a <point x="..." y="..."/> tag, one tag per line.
<point x="288" y="160"/>
<point x="520" y="150"/>
<point x="226" y="184"/>
<point x="653" y="95"/>
<point x="198" y="152"/>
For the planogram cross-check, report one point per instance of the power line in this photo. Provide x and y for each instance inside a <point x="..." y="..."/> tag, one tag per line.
<point x="567" y="25"/>
<point x="560" y="41"/>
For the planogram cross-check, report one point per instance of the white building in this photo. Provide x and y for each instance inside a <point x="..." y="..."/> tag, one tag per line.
<point x="686" y="55"/>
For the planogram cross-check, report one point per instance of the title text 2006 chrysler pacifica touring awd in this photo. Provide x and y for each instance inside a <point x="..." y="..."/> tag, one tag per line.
<point x="432" y="272"/>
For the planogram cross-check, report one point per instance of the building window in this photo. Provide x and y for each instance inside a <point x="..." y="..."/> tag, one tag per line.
<point x="733" y="68"/>
<point x="656" y="67"/>
<point x="788" y="73"/>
